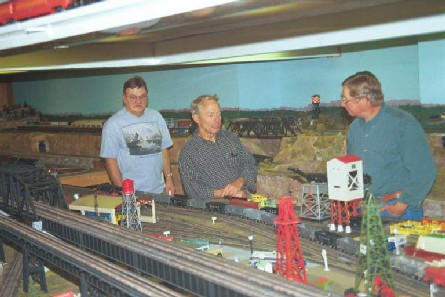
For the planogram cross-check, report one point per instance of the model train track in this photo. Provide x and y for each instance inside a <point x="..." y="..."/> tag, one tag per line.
<point x="265" y="237"/>
<point x="187" y="260"/>
<point x="311" y="250"/>
<point x="12" y="280"/>
<point x="178" y="221"/>
<point x="126" y="283"/>
<point x="406" y="285"/>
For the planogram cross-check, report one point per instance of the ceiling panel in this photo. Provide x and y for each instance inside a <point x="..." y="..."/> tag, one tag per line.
<point x="135" y="33"/>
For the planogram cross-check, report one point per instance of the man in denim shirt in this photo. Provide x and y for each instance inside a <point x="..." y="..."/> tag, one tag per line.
<point x="214" y="163"/>
<point x="393" y="146"/>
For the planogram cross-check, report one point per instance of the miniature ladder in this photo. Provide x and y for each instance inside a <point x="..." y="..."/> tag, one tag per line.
<point x="289" y="261"/>
<point x="373" y="258"/>
<point x="130" y="211"/>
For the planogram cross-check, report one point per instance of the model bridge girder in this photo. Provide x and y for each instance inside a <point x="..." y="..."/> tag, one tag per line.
<point x="285" y="126"/>
<point x="23" y="184"/>
<point x="95" y="280"/>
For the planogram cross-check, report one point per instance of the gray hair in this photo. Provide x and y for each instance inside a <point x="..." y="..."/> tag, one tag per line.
<point x="365" y="84"/>
<point x="196" y="104"/>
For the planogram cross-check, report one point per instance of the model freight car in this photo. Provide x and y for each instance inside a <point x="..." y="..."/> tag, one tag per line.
<point x="244" y="203"/>
<point x="17" y="10"/>
<point x="253" y="214"/>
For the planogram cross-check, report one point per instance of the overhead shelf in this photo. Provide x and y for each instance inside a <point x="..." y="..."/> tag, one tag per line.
<point x="101" y="16"/>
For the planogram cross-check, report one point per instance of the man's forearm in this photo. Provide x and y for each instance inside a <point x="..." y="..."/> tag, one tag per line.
<point x="113" y="171"/>
<point x="166" y="163"/>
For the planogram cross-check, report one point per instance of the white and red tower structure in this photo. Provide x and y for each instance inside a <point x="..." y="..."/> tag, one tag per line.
<point x="130" y="209"/>
<point x="315" y="204"/>
<point x="346" y="190"/>
<point x="289" y="260"/>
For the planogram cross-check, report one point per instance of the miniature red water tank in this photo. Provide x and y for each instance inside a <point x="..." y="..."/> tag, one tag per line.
<point x="127" y="186"/>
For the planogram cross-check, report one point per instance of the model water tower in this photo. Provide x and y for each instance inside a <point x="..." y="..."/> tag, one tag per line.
<point x="130" y="209"/>
<point x="346" y="190"/>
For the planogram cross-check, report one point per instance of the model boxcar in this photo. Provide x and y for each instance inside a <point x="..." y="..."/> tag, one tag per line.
<point x="235" y="210"/>
<point x="244" y="203"/>
<point x="327" y="238"/>
<point x="196" y="203"/>
<point x="410" y="266"/>
<point x="268" y="218"/>
<point x="307" y="231"/>
<point x="214" y="206"/>
<point x="180" y="201"/>
<point x="253" y="214"/>
<point x="348" y="245"/>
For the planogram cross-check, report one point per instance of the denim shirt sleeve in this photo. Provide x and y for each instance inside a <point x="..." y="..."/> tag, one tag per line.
<point x="418" y="161"/>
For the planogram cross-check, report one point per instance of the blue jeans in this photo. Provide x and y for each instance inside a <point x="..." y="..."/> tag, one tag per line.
<point x="410" y="213"/>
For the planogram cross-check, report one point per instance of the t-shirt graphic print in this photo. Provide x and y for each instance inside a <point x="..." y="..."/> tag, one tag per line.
<point x="143" y="138"/>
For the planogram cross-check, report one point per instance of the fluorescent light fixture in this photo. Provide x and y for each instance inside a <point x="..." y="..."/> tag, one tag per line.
<point x="60" y="47"/>
<point x="12" y="71"/>
<point x="281" y="56"/>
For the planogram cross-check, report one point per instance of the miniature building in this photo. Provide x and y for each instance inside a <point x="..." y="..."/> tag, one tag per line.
<point x="345" y="176"/>
<point x="433" y="243"/>
<point x="315" y="204"/>
<point x="345" y="188"/>
<point x="145" y="202"/>
<point x="106" y="207"/>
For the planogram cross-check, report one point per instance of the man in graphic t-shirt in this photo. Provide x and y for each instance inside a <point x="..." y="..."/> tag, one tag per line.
<point x="135" y="142"/>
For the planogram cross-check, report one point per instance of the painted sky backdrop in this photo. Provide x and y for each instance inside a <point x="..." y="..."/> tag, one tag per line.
<point x="414" y="72"/>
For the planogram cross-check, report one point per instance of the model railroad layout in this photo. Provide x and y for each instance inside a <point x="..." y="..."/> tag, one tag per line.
<point x="186" y="223"/>
<point x="183" y="267"/>
<point x="184" y="218"/>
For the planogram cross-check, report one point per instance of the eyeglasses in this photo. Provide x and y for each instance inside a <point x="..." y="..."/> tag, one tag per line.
<point x="134" y="98"/>
<point x="346" y="101"/>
